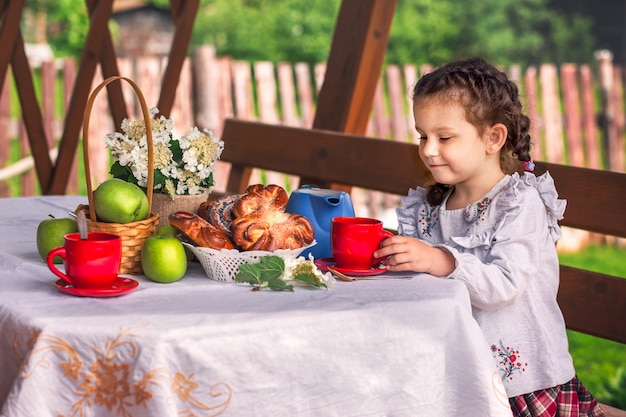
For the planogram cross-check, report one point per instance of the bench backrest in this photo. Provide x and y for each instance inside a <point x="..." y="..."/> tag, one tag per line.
<point x="592" y="303"/>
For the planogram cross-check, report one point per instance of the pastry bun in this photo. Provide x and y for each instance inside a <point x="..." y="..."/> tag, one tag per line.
<point x="261" y="222"/>
<point x="199" y="231"/>
<point x="220" y="212"/>
<point x="255" y="220"/>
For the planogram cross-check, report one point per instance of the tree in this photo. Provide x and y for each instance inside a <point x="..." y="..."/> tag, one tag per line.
<point x="289" y="30"/>
<point x="67" y="23"/>
<point x="502" y="31"/>
<point x="423" y="31"/>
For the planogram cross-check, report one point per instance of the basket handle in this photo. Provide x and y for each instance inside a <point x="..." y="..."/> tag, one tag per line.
<point x="146" y="116"/>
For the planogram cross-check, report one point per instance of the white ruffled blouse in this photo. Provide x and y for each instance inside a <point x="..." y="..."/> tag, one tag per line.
<point x="505" y="252"/>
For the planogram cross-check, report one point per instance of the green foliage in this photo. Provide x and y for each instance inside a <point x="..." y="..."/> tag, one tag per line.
<point x="265" y="274"/>
<point x="423" y="31"/>
<point x="600" y="364"/>
<point x="289" y="30"/>
<point x="503" y="31"/>
<point x="67" y="24"/>
<point x="607" y="259"/>
<point x="270" y="273"/>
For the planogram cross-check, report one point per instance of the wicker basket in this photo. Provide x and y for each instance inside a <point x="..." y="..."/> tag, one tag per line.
<point x="223" y="265"/>
<point x="133" y="234"/>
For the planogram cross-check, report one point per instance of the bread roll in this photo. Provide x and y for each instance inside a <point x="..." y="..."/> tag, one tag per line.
<point x="200" y="231"/>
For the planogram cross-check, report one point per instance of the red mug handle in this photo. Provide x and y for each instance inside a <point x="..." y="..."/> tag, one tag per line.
<point x="383" y="235"/>
<point x="60" y="251"/>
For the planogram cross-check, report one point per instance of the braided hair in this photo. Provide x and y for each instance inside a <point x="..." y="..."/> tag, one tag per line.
<point x="488" y="97"/>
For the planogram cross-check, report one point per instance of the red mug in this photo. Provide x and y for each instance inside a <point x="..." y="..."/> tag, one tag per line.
<point x="353" y="241"/>
<point x="89" y="263"/>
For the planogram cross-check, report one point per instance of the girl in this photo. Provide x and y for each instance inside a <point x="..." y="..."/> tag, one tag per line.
<point x="482" y="223"/>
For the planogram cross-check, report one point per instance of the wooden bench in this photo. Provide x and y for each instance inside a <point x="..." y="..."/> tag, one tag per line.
<point x="592" y="303"/>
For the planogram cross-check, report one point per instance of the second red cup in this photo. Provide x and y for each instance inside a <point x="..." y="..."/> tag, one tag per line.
<point x="353" y="241"/>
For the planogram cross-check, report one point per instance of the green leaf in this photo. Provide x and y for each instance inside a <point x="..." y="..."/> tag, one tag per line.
<point x="267" y="269"/>
<point x="119" y="171"/>
<point x="249" y="277"/>
<point x="177" y="152"/>
<point x="159" y="178"/>
<point x="309" y="280"/>
<point x="278" y="284"/>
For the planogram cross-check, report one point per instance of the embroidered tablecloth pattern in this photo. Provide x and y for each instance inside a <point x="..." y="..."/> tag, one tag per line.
<point x="199" y="347"/>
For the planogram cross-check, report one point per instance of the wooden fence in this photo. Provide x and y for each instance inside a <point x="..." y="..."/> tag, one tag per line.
<point x="577" y="112"/>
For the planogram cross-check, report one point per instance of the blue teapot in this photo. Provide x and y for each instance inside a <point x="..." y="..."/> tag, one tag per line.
<point x="320" y="206"/>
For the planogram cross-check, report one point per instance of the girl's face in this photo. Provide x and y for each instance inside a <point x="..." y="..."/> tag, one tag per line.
<point x="450" y="146"/>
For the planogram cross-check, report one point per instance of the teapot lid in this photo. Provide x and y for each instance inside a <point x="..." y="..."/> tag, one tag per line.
<point x="316" y="191"/>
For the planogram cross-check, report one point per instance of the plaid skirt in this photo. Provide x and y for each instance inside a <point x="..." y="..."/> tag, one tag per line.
<point x="568" y="400"/>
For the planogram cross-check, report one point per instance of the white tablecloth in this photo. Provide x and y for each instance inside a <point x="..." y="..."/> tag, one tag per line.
<point x="199" y="347"/>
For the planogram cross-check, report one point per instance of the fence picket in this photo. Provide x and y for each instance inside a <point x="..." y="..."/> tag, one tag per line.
<point x="553" y="140"/>
<point x="410" y="78"/>
<point x="532" y="110"/>
<point x="48" y="78"/>
<point x="29" y="178"/>
<point x="566" y="119"/>
<point x="397" y="93"/>
<point x="573" y="121"/>
<point x="617" y="148"/>
<point x="68" y="75"/>
<point x="268" y="110"/>
<point x="305" y="93"/>
<point x="5" y="121"/>
<point x="589" y="116"/>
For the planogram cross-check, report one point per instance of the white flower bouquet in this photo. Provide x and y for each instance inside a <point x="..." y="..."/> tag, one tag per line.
<point x="182" y="166"/>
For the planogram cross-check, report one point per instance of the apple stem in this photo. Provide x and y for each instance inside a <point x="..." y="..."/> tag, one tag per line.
<point x="50" y="215"/>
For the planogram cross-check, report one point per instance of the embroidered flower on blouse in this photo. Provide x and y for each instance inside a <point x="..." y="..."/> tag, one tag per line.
<point x="509" y="361"/>
<point x="475" y="213"/>
<point x="428" y="218"/>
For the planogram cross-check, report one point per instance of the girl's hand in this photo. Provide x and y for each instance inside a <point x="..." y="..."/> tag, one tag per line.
<point x="403" y="253"/>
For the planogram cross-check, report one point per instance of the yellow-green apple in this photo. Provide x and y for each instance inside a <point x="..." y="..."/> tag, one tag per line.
<point x="167" y="230"/>
<point x="118" y="201"/>
<point x="50" y="233"/>
<point x="163" y="258"/>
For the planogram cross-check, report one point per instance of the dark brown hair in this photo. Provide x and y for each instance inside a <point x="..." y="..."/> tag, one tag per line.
<point x="488" y="97"/>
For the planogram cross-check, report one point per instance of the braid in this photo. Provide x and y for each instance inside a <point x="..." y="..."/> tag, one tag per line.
<point x="489" y="97"/>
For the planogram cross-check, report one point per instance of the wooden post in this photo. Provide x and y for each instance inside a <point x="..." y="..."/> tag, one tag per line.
<point x="354" y="65"/>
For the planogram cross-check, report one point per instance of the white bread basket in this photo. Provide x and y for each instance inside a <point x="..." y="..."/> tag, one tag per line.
<point x="223" y="265"/>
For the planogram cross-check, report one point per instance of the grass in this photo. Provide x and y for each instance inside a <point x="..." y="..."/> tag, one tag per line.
<point x="600" y="364"/>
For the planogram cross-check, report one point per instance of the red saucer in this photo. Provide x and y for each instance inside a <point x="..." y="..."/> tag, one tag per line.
<point x="324" y="263"/>
<point x="121" y="286"/>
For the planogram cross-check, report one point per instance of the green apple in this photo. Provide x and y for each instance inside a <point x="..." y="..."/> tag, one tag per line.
<point x="163" y="258"/>
<point x="170" y="230"/>
<point x="118" y="201"/>
<point x="50" y="233"/>
<point x="167" y="230"/>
